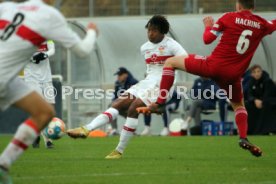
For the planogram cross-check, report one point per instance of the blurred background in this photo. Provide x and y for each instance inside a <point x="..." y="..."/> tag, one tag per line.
<point x="87" y="8"/>
<point x="122" y="32"/>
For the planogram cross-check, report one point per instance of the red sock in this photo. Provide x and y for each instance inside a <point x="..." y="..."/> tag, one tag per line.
<point x="166" y="84"/>
<point x="241" y="121"/>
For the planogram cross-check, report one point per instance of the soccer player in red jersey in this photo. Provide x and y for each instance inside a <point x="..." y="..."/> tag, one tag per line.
<point x="242" y="31"/>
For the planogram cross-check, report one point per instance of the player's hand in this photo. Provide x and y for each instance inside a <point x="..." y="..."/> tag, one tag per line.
<point x="38" y="56"/>
<point x="208" y="21"/>
<point x="259" y="103"/>
<point x="93" y="26"/>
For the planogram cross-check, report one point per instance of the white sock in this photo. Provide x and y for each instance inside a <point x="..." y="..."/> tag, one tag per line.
<point x="24" y="136"/>
<point x="126" y="134"/>
<point x="106" y="117"/>
<point x="147" y="127"/>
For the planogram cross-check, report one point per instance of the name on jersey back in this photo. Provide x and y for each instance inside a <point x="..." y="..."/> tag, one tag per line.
<point x="249" y="23"/>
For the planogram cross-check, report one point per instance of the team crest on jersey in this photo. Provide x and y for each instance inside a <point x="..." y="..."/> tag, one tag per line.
<point x="161" y="50"/>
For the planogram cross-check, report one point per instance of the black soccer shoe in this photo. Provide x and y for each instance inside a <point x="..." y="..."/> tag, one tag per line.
<point x="49" y="145"/>
<point x="36" y="142"/>
<point x="254" y="150"/>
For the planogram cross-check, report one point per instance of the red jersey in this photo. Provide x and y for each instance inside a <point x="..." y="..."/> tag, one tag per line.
<point x="241" y="34"/>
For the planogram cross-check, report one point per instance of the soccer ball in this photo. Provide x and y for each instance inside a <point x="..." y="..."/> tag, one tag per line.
<point x="55" y="129"/>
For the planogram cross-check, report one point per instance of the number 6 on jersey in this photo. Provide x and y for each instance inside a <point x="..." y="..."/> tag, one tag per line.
<point x="244" y="42"/>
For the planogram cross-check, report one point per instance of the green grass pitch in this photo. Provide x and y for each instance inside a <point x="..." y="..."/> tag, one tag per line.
<point x="160" y="160"/>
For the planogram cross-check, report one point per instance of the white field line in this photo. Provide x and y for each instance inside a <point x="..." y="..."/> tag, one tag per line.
<point x="125" y="174"/>
<point x="93" y="175"/>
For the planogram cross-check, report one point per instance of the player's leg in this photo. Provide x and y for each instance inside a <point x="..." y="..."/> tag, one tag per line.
<point x="194" y="112"/>
<point x="48" y="142"/>
<point x="241" y="122"/>
<point x="235" y="95"/>
<point x="166" y="117"/>
<point x="121" y="104"/>
<point x="171" y="64"/>
<point x="112" y="129"/>
<point x="240" y="117"/>
<point x="223" y="111"/>
<point x="41" y="113"/>
<point x="36" y="142"/>
<point x="128" y="129"/>
<point x="38" y="88"/>
<point x="48" y="92"/>
<point x="192" y="64"/>
<point x="147" y="120"/>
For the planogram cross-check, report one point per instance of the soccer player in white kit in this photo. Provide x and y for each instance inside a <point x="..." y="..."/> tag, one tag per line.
<point x="24" y="27"/>
<point x="155" y="52"/>
<point x="38" y="75"/>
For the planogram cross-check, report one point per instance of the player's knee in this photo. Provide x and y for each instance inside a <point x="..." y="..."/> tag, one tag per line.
<point x="119" y="104"/>
<point x="132" y="109"/>
<point x="116" y="104"/>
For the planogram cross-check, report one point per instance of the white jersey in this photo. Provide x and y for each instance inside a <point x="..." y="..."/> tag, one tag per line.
<point x="23" y="28"/>
<point x="156" y="54"/>
<point x="40" y="73"/>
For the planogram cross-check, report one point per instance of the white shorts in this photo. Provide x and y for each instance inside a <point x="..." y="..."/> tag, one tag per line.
<point x="15" y="90"/>
<point x="46" y="90"/>
<point x="147" y="90"/>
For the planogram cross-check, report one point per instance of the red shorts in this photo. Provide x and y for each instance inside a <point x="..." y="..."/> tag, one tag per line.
<point x="198" y="65"/>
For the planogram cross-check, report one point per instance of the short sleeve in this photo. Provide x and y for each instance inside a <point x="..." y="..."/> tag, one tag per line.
<point x="143" y="49"/>
<point x="270" y="26"/>
<point x="178" y="50"/>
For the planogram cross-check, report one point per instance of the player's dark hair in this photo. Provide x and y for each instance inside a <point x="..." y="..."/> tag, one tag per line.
<point x="248" y="4"/>
<point x="160" y="22"/>
<point x="254" y="67"/>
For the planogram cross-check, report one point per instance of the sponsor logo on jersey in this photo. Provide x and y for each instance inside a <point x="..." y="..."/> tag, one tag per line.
<point x="154" y="57"/>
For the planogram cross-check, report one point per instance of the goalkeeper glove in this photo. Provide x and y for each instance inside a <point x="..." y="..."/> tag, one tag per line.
<point x="39" y="56"/>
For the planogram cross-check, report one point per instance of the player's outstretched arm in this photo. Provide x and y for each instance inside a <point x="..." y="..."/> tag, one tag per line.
<point x="60" y="32"/>
<point x="208" y="35"/>
<point x="84" y="47"/>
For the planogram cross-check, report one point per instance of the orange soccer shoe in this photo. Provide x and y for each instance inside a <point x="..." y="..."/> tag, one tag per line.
<point x="153" y="108"/>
